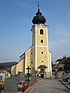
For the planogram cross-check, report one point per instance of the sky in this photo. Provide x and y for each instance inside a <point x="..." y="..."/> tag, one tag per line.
<point x="16" y="22"/>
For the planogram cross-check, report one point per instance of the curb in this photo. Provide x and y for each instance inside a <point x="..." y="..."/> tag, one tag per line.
<point x="65" y="84"/>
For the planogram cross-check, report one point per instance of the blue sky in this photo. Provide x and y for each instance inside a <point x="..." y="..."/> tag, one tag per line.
<point x="16" y="21"/>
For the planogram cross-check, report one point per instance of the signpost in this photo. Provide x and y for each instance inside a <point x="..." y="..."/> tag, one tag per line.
<point x="28" y="72"/>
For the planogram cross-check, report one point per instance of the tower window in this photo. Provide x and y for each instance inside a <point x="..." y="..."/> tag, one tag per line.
<point x="31" y="62"/>
<point x="41" y="41"/>
<point x="41" y="31"/>
<point x="31" y="53"/>
<point x="42" y="61"/>
<point x="42" y="52"/>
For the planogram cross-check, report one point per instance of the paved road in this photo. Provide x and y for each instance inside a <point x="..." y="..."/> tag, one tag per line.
<point x="49" y="86"/>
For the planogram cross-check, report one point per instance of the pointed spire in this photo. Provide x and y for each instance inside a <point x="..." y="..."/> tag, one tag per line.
<point x="38" y="5"/>
<point x="38" y="12"/>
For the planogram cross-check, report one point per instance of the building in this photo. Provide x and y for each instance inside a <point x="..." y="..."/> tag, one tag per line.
<point x="38" y="56"/>
<point x="5" y="68"/>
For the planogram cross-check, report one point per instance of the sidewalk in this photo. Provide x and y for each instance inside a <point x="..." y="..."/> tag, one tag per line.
<point x="66" y="84"/>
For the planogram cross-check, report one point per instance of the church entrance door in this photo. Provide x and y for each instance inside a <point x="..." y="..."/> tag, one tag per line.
<point x="42" y="70"/>
<point x="42" y="73"/>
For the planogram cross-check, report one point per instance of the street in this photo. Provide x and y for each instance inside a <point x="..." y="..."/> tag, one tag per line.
<point x="49" y="86"/>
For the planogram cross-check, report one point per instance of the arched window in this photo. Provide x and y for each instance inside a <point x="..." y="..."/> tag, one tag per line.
<point x="41" y="41"/>
<point x="41" y="31"/>
<point x="41" y="52"/>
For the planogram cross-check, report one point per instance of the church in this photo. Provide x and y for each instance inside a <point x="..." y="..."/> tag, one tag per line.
<point x="37" y="57"/>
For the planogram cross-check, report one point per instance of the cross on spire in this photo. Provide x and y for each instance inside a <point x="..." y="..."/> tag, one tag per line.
<point x="38" y="12"/>
<point x="38" y="4"/>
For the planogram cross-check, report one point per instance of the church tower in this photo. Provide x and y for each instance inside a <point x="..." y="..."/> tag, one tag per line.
<point x="42" y="56"/>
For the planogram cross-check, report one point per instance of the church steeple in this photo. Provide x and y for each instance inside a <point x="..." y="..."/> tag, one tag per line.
<point x="39" y="18"/>
<point x="38" y="12"/>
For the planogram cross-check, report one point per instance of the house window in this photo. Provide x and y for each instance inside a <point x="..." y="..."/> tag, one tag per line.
<point x="41" y="41"/>
<point x="41" y="31"/>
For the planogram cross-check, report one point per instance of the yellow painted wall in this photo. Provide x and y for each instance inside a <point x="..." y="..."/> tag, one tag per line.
<point x="13" y="70"/>
<point x="42" y="46"/>
<point x="42" y="57"/>
<point x="19" y="66"/>
<point x="28" y="58"/>
<point x="33" y="35"/>
<point x="29" y="54"/>
<point x="50" y="63"/>
<point x="25" y="61"/>
<point x="32" y="59"/>
<point x="44" y="36"/>
<point x="39" y="36"/>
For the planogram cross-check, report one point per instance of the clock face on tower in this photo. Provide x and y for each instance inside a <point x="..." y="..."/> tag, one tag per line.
<point x="41" y="25"/>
